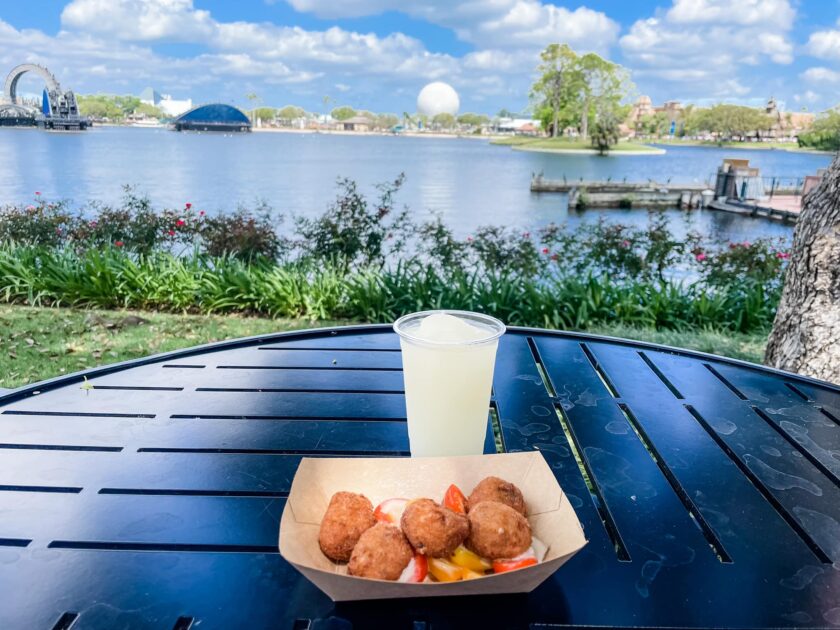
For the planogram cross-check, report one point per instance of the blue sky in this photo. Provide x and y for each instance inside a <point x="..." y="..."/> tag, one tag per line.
<point x="377" y="54"/>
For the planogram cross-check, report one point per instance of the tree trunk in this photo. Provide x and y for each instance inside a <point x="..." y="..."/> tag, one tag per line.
<point x="554" y="131"/>
<point x="806" y="332"/>
<point x="584" y="119"/>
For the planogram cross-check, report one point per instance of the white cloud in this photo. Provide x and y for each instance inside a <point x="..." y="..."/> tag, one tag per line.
<point x="819" y="75"/>
<point x="140" y="20"/>
<point x="530" y="24"/>
<point x="778" y="13"/>
<point x="806" y="97"/>
<point x="701" y="45"/>
<point x="825" y="44"/>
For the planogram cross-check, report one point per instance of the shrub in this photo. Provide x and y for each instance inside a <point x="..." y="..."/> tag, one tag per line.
<point x="353" y="233"/>
<point x="40" y="223"/>
<point x="242" y="234"/>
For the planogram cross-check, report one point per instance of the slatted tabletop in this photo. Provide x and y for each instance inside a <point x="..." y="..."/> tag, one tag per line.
<point x="709" y="489"/>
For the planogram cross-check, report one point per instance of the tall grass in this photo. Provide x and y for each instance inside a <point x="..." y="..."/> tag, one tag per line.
<point x="112" y="277"/>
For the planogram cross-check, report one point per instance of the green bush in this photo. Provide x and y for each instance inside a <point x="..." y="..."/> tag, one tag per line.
<point x="367" y="261"/>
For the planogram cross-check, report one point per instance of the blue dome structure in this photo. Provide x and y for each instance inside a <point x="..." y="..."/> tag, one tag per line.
<point x="212" y="117"/>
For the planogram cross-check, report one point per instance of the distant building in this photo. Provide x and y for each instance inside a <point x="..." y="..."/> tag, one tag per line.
<point x="519" y="126"/>
<point x="787" y="125"/>
<point x="643" y="108"/>
<point x="165" y="102"/>
<point x="213" y="117"/>
<point x="356" y="123"/>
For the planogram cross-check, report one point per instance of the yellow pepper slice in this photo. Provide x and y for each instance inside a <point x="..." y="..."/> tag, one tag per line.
<point x="463" y="557"/>
<point x="444" y="571"/>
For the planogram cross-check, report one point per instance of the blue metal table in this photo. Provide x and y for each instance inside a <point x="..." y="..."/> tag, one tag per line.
<point x="708" y="488"/>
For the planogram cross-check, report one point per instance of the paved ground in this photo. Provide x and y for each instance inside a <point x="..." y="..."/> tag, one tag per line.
<point x="791" y="203"/>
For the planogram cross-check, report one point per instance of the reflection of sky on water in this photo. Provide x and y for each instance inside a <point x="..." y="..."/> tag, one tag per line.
<point x="468" y="181"/>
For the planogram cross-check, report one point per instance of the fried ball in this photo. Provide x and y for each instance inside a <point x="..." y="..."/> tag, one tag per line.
<point x="498" y="531"/>
<point x="348" y="516"/>
<point x="433" y="530"/>
<point x="382" y="553"/>
<point x="499" y="490"/>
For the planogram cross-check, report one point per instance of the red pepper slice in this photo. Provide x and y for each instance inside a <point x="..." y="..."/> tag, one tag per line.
<point x="417" y="569"/>
<point x="501" y="566"/>
<point x="455" y="500"/>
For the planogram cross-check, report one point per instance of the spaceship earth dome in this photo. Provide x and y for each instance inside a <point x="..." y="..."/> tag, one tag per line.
<point x="438" y="98"/>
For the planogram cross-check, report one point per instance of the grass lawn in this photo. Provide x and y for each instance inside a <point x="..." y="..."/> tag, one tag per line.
<point x="568" y="144"/>
<point x="39" y="343"/>
<point x="755" y="146"/>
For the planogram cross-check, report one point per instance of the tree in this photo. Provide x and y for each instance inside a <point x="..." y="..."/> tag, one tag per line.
<point x="554" y="92"/>
<point x="149" y="110"/>
<point x="291" y="112"/>
<point x="728" y="122"/>
<point x="805" y="333"/>
<point x="603" y="84"/>
<point x="505" y="113"/>
<point x="824" y="133"/>
<point x="264" y="113"/>
<point x="605" y="133"/>
<point x="343" y="112"/>
<point x="386" y="121"/>
<point x="473" y="120"/>
<point x="444" y="120"/>
<point x="576" y="90"/>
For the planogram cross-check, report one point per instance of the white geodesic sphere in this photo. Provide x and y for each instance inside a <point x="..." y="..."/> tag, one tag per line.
<point x="438" y="98"/>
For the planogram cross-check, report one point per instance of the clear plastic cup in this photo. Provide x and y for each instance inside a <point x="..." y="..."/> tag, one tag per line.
<point x="448" y="371"/>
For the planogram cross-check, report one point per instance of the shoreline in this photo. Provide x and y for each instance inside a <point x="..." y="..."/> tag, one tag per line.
<point x="652" y="151"/>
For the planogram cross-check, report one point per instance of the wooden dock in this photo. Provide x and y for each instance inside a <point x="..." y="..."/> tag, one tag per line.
<point x="755" y="210"/>
<point x="622" y="194"/>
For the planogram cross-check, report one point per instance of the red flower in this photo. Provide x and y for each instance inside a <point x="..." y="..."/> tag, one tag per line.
<point x="179" y="222"/>
<point x="58" y="230"/>
<point x="783" y="255"/>
<point x="37" y="192"/>
<point x="119" y="243"/>
<point x="201" y="213"/>
<point x="188" y="205"/>
<point x="733" y="245"/>
<point x="700" y="257"/>
<point x="171" y="232"/>
<point x="545" y="250"/>
<point x="555" y="257"/>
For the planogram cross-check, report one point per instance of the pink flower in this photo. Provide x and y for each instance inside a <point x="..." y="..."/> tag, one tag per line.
<point x="469" y="239"/>
<point x="119" y="243"/>
<point x="545" y="250"/>
<point x="783" y="255"/>
<point x="746" y="243"/>
<point x="171" y="232"/>
<point x="625" y="243"/>
<point x="93" y="224"/>
<point x="555" y="257"/>
<point x="526" y="235"/>
<point x="179" y="222"/>
<point x="188" y="205"/>
<point x="201" y="213"/>
<point x="37" y="192"/>
<point x="30" y="208"/>
<point x="700" y="257"/>
<point x="58" y="230"/>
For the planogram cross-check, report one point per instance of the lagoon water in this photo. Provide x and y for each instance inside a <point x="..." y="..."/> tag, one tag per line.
<point x="468" y="181"/>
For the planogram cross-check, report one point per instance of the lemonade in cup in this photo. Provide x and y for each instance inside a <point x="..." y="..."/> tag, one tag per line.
<point x="448" y="360"/>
